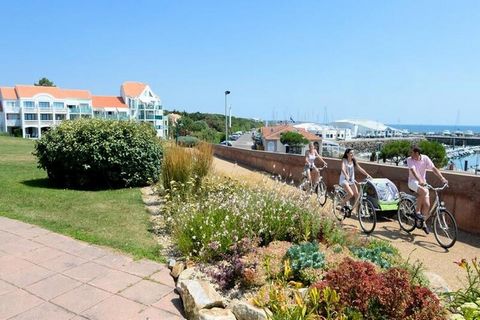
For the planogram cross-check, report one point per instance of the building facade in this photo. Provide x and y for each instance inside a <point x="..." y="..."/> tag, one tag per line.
<point x="271" y="139"/>
<point x="29" y="111"/>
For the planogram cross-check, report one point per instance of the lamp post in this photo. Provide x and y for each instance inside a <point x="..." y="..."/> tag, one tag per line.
<point x="226" y="118"/>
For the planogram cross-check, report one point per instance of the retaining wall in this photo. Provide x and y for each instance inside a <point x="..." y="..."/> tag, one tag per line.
<point x="462" y="197"/>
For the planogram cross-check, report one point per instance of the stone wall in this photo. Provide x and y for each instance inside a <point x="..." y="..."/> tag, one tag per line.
<point x="370" y="145"/>
<point x="462" y="197"/>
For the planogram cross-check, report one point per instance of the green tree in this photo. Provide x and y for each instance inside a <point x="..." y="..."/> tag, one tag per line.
<point x="397" y="151"/>
<point x="435" y="151"/>
<point x="293" y="138"/>
<point x="44" y="82"/>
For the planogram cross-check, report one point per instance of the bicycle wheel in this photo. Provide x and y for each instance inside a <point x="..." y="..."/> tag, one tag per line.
<point x="367" y="216"/>
<point x="336" y="205"/>
<point x="304" y="184"/>
<point x="406" y="215"/>
<point x="445" y="229"/>
<point x="321" y="193"/>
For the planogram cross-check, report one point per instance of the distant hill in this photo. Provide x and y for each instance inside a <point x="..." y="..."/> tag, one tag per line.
<point x="208" y="126"/>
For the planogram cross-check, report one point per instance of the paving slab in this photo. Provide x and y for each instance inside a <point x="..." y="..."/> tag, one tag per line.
<point x="146" y="292"/>
<point x="81" y="298"/>
<point x="16" y="302"/>
<point x="44" y="275"/>
<point x="45" y="311"/>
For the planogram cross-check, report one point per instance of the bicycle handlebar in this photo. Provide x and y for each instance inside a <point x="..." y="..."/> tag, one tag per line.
<point x="429" y="186"/>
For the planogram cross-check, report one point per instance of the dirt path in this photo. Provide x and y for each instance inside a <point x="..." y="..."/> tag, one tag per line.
<point x="417" y="245"/>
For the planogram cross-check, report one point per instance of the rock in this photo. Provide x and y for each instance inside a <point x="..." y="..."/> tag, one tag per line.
<point x="197" y="295"/>
<point x="177" y="269"/>
<point x="154" y="210"/>
<point x="171" y="263"/>
<point x="216" y="314"/>
<point x="186" y="274"/>
<point x="437" y="283"/>
<point x="245" y="311"/>
<point x="151" y="201"/>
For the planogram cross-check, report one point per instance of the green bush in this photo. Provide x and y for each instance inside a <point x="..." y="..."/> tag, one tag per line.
<point x="94" y="153"/>
<point x="187" y="141"/>
<point x="379" y="252"/>
<point x="304" y="256"/>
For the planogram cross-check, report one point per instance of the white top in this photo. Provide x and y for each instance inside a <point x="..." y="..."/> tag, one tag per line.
<point x="350" y="171"/>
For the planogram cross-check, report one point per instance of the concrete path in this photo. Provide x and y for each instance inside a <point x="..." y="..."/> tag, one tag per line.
<point x="44" y="275"/>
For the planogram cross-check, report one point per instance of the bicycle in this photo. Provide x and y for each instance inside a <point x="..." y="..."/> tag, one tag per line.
<point x="366" y="212"/>
<point x="319" y="187"/>
<point x="444" y="223"/>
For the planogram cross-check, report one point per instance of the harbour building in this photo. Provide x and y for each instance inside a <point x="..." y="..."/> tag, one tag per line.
<point x="29" y="111"/>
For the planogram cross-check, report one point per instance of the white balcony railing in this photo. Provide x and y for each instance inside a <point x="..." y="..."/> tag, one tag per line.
<point x="29" y="123"/>
<point x="14" y="122"/>
<point x="9" y="109"/>
<point x="46" y="123"/>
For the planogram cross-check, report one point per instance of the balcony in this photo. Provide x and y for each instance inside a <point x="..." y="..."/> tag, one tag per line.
<point x="14" y="123"/>
<point x="30" y="123"/>
<point x="46" y="123"/>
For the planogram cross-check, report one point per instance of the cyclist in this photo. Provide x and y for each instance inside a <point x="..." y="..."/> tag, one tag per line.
<point x="418" y="164"/>
<point x="347" y="177"/>
<point x="310" y="157"/>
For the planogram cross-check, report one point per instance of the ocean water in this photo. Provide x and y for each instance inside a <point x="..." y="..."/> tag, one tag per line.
<point x="434" y="128"/>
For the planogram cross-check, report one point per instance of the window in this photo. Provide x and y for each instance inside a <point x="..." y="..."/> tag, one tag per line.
<point x="13" y="116"/>
<point x="30" y="116"/>
<point x="59" y="117"/>
<point x="46" y="116"/>
<point x="58" y="105"/>
<point x="84" y="108"/>
<point x="29" y="104"/>
<point x="44" y="105"/>
<point x="11" y="104"/>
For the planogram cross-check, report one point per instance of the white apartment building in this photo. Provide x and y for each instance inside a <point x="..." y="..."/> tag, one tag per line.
<point x="32" y="110"/>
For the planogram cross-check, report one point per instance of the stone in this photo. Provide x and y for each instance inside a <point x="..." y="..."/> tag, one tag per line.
<point x="437" y="283"/>
<point x="154" y="210"/>
<point x="177" y="269"/>
<point x="171" y="263"/>
<point x="187" y="274"/>
<point x="245" y="311"/>
<point x="197" y="295"/>
<point x="216" y="314"/>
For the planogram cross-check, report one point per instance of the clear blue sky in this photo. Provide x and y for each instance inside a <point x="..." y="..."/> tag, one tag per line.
<point x="408" y="61"/>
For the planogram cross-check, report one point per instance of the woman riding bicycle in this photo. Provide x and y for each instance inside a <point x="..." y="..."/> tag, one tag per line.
<point x="347" y="176"/>
<point x="310" y="157"/>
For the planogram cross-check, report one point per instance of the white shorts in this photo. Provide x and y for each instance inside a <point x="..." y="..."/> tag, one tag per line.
<point x="414" y="185"/>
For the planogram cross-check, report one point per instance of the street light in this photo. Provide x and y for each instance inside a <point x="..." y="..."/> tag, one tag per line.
<point x="226" y="121"/>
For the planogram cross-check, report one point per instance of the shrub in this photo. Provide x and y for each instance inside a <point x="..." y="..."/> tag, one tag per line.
<point x="387" y="295"/>
<point x="304" y="256"/>
<point x="187" y="141"/>
<point x="223" y="211"/>
<point x="379" y="252"/>
<point x="184" y="168"/>
<point x="92" y="153"/>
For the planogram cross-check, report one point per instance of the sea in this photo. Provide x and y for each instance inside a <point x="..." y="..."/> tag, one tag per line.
<point x="424" y="128"/>
<point x="473" y="160"/>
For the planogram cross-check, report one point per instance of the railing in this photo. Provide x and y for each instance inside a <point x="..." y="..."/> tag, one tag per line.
<point x="46" y="122"/>
<point x="14" y="122"/>
<point x="30" y="123"/>
<point x="11" y="109"/>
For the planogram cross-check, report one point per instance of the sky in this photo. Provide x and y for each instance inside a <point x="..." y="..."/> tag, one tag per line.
<point x="397" y="62"/>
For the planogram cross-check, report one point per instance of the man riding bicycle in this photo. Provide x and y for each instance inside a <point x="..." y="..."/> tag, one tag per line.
<point x="310" y="157"/>
<point x="418" y="164"/>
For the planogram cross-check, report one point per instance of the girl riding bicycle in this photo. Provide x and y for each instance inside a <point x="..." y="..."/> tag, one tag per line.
<point x="347" y="176"/>
<point x="310" y="157"/>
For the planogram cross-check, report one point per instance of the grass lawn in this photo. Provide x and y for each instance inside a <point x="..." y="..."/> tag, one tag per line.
<point x="114" y="218"/>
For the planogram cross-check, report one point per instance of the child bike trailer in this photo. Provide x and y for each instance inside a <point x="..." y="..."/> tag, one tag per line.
<point x="383" y="193"/>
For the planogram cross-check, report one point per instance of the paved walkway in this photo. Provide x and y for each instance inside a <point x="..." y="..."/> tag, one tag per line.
<point x="44" y="275"/>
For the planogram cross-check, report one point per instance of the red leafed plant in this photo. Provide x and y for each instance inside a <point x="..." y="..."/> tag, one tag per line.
<point x="387" y="295"/>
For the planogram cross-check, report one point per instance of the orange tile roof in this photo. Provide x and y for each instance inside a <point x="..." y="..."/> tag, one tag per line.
<point x="132" y="88"/>
<point x="8" y="93"/>
<point x="108" y="101"/>
<point x="58" y="93"/>
<point x="273" y="133"/>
